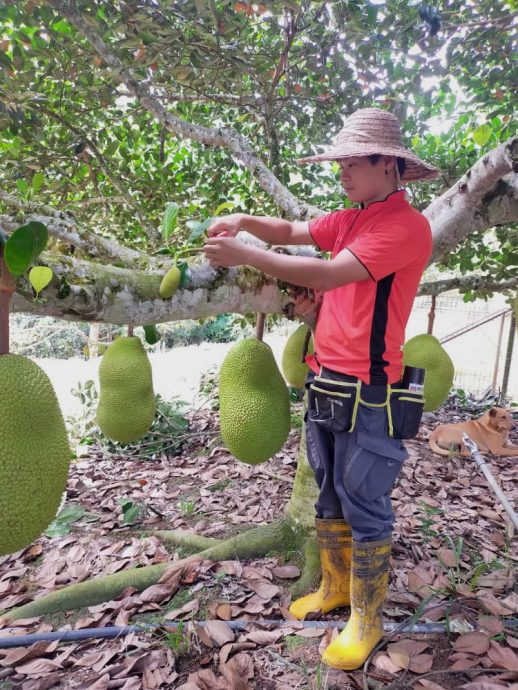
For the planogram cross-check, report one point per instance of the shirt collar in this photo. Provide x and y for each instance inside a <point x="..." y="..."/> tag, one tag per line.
<point x="394" y="200"/>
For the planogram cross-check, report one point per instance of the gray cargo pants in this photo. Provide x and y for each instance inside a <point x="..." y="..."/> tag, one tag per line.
<point x="355" y="471"/>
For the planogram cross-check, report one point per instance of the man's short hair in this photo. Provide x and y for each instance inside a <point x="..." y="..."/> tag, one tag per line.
<point x="400" y="162"/>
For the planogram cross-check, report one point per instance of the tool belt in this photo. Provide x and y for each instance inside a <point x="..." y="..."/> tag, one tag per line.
<point x="333" y="404"/>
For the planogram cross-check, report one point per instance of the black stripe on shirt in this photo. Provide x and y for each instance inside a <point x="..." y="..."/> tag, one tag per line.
<point x="378" y="375"/>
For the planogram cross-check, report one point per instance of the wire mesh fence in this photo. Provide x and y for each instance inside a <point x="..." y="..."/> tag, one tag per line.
<point x="479" y="351"/>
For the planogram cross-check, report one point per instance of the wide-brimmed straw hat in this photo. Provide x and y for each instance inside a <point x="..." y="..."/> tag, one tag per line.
<point x="373" y="131"/>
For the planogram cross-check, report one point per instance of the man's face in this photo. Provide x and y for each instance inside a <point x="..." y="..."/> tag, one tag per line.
<point x="364" y="181"/>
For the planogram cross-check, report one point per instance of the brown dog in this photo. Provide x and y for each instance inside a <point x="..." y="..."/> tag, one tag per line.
<point x="490" y="432"/>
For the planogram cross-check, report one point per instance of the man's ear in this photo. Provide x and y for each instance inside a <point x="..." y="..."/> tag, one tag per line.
<point x="390" y="162"/>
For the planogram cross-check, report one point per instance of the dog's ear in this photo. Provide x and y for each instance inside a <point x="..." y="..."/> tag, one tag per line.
<point x="492" y="412"/>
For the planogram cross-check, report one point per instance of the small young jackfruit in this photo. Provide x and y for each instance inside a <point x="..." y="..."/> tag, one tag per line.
<point x="34" y="453"/>
<point x="126" y="401"/>
<point x="426" y="352"/>
<point x="170" y="283"/>
<point x="293" y="368"/>
<point x="254" y="404"/>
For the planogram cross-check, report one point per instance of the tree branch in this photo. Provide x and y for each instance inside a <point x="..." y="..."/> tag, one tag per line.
<point x="487" y="195"/>
<point x="64" y="228"/>
<point x="225" y="138"/>
<point x="116" y="183"/>
<point x="463" y="283"/>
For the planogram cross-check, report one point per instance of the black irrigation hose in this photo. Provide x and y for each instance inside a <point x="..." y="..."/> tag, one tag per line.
<point x="122" y="630"/>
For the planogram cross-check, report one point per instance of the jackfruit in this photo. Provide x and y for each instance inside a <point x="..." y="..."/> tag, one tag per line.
<point x="126" y="401"/>
<point x="426" y="352"/>
<point x="293" y="368"/>
<point x="170" y="283"/>
<point x="254" y="403"/>
<point x="34" y="453"/>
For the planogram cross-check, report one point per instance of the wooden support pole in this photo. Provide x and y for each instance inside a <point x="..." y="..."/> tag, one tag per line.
<point x="497" y="358"/>
<point x="509" y="354"/>
<point x="431" y="315"/>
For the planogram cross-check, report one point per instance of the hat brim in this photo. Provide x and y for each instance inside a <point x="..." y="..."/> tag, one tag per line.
<point x="415" y="169"/>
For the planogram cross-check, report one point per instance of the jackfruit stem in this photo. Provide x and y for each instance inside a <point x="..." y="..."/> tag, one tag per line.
<point x="130" y="330"/>
<point x="259" y="325"/>
<point x="7" y="288"/>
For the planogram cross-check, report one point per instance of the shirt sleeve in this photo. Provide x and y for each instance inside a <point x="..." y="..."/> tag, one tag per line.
<point x="325" y="229"/>
<point x="389" y="248"/>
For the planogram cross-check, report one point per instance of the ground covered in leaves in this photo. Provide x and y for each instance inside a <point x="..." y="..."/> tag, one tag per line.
<point x="453" y="562"/>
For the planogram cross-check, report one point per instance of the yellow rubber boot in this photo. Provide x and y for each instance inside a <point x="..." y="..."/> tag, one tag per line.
<point x="364" y="629"/>
<point x="335" y="540"/>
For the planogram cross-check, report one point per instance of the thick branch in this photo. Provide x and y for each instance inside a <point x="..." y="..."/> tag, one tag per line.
<point x="487" y="195"/>
<point x="86" y="291"/>
<point x="225" y="138"/>
<point x="463" y="283"/>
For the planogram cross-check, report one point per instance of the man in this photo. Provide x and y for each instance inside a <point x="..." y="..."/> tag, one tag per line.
<point x="378" y="255"/>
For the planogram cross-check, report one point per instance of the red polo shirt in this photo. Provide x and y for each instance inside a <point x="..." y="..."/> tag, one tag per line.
<point x="361" y="326"/>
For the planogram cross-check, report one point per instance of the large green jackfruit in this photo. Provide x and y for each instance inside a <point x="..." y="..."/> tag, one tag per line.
<point x="34" y="453"/>
<point x="293" y="368"/>
<point x="254" y="404"/>
<point x="126" y="402"/>
<point x="426" y="352"/>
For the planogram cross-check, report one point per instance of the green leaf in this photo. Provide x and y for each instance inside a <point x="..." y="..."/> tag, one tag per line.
<point x="37" y="182"/>
<point x="5" y="60"/>
<point x="225" y="206"/>
<point x="40" y="277"/>
<point x="131" y="511"/>
<point x="24" y="246"/>
<point x="62" y="523"/>
<point x="170" y="218"/>
<point x="164" y="250"/>
<point x="197" y="229"/>
<point x="481" y="135"/>
<point x="22" y="186"/>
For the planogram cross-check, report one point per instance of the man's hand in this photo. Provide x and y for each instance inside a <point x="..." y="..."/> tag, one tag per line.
<point x="228" y="225"/>
<point x="225" y="251"/>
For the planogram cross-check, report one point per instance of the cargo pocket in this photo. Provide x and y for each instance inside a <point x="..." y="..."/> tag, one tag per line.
<point x="331" y="404"/>
<point x="406" y="410"/>
<point x="374" y="466"/>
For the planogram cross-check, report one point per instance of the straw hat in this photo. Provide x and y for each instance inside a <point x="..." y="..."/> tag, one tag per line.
<point x="373" y="131"/>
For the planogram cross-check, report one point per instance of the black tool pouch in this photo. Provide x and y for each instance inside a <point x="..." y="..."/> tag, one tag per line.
<point x="333" y="404"/>
<point x="405" y="412"/>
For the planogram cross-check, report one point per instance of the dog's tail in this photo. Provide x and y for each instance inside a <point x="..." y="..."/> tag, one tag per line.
<point x="436" y="448"/>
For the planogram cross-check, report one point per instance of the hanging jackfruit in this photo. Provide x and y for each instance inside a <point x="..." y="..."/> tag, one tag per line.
<point x="294" y="369"/>
<point x="126" y="402"/>
<point x="254" y="404"/>
<point x="170" y="283"/>
<point x="426" y="352"/>
<point x="34" y="453"/>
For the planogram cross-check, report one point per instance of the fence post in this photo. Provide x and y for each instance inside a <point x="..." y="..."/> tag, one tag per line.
<point x="497" y="358"/>
<point x="431" y="315"/>
<point x="509" y="355"/>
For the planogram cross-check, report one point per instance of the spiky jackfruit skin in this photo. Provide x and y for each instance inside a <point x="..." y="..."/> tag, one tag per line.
<point x="293" y="368"/>
<point x="170" y="283"/>
<point x="34" y="453"/>
<point x="254" y="404"/>
<point x="126" y="401"/>
<point x="426" y="352"/>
